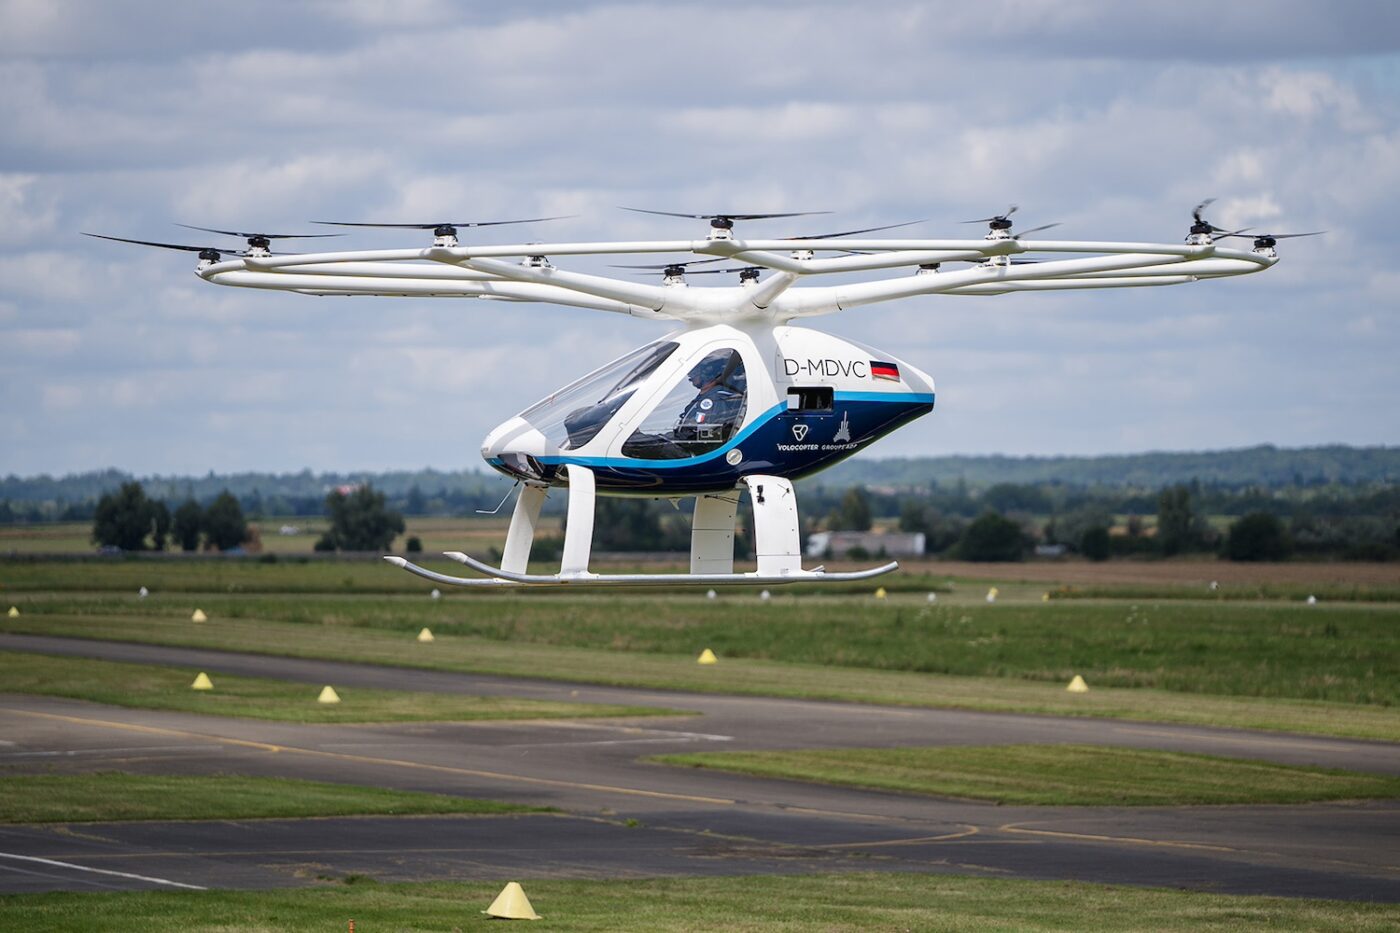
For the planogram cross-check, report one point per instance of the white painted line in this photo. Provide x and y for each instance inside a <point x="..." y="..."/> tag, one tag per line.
<point x="100" y="871"/>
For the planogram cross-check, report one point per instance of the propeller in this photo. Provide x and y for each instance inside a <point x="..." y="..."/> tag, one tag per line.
<point x="815" y="236"/>
<point x="723" y="221"/>
<point x="1003" y="222"/>
<point x="210" y="253"/>
<point x="1266" y="240"/>
<point x="441" y="228"/>
<point x="1203" y="226"/>
<point x="832" y="236"/>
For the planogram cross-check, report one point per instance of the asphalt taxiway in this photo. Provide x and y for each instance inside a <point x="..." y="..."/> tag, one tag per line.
<point x="622" y="817"/>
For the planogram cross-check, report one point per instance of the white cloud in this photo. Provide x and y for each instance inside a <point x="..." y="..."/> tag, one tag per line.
<point x="124" y="118"/>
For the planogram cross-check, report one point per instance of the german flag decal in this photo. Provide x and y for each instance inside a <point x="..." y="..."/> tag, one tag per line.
<point x="879" y="370"/>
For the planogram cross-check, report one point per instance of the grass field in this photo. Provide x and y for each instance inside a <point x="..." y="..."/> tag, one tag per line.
<point x="151" y="687"/>
<point x="883" y="901"/>
<point x="1053" y="775"/>
<point x="111" y="796"/>
<point x="731" y="675"/>
<point x="1336" y="653"/>
<point x="1332" y="668"/>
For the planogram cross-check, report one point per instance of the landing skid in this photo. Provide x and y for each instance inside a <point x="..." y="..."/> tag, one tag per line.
<point x="498" y="578"/>
<point x="777" y="543"/>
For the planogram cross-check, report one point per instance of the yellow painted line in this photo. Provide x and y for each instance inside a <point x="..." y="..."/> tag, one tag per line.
<point x="394" y="762"/>
<point x="967" y="830"/>
<point x="1132" y="840"/>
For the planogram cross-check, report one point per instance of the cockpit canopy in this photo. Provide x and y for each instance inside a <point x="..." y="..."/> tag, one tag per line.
<point x="696" y="415"/>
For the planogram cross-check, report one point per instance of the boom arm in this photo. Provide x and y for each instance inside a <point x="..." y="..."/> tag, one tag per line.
<point x="522" y="272"/>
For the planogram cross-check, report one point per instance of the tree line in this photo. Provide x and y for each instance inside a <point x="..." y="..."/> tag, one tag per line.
<point x="129" y="520"/>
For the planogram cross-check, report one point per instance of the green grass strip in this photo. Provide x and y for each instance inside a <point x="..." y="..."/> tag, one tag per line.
<point x="147" y="686"/>
<point x="747" y="676"/>
<point x="1053" y="775"/>
<point x="883" y="901"/>
<point x="110" y="796"/>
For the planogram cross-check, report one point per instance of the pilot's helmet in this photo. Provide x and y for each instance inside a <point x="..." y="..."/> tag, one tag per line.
<point x="710" y="369"/>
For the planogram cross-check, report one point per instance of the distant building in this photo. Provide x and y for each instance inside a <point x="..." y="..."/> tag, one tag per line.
<point x="891" y="543"/>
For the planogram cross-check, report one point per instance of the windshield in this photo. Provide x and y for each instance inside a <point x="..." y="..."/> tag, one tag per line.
<point x="575" y="414"/>
<point x="699" y="414"/>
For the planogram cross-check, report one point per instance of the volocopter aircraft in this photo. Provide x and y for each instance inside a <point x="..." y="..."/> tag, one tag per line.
<point x="738" y="397"/>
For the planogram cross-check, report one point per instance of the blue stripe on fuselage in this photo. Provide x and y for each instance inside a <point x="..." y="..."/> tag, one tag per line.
<point x="889" y="398"/>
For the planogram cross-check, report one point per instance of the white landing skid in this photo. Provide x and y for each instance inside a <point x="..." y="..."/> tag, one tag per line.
<point x="778" y="544"/>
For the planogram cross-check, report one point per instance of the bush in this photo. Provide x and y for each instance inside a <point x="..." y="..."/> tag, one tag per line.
<point x="992" y="537"/>
<point x="1095" y="543"/>
<point x="1257" y="536"/>
<point x="414" y="545"/>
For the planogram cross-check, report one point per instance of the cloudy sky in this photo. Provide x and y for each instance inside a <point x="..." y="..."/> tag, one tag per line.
<point x="1111" y="118"/>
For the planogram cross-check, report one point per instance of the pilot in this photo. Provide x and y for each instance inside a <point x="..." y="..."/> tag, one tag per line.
<point x="710" y="417"/>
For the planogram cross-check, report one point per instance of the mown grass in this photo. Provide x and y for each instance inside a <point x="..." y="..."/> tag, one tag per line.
<point x="872" y="901"/>
<point x="730" y="675"/>
<point x="148" y="686"/>
<point x="1334" y="653"/>
<point x="1053" y="775"/>
<point x="113" y="796"/>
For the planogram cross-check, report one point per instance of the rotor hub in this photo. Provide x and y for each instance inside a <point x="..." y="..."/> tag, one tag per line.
<point x="210" y="255"/>
<point x="259" y="242"/>
<point x="748" y="275"/>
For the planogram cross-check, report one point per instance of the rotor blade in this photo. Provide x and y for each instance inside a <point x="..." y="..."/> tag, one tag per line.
<point x="832" y="236"/>
<point x="642" y="210"/>
<point x="668" y="265"/>
<point x="465" y="223"/>
<point x="719" y="271"/>
<point x="266" y="236"/>
<point x="1196" y="211"/>
<point x="179" y="246"/>
<point x="986" y="220"/>
<point x="1037" y="229"/>
<point x="1289" y="236"/>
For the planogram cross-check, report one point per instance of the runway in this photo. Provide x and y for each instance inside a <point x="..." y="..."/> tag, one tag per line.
<point x="621" y="817"/>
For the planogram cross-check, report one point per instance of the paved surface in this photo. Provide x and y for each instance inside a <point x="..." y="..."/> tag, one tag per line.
<point x="626" y="818"/>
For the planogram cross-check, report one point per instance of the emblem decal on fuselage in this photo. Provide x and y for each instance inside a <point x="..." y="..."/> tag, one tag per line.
<point x="799" y="431"/>
<point x="843" y="433"/>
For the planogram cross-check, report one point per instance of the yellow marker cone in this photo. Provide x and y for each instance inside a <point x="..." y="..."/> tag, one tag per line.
<point x="880" y="593"/>
<point x="707" y="657"/>
<point x="14" y="612"/>
<point x="202" y="682"/>
<point x="425" y="635"/>
<point x="199" y="616"/>
<point x="328" y="695"/>
<point x="1077" y="685"/>
<point x="512" y="904"/>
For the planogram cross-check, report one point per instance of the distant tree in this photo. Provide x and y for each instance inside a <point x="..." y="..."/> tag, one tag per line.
<point x="360" y="521"/>
<point x="1257" y="536"/>
<point x="414" y="545"/>
<point x="992" y="537"/>
<point x="124" y="518"/>
<point x="913" y="516"/>
<point x="188" y="519"/>
<point x="1095" y="543"/>
<point x="224" y="526"/>
<point x="160" y="524"/>
<point x="417" y="503"/>
<point x="1175" y="520"/>
<point x="853" y="514"/>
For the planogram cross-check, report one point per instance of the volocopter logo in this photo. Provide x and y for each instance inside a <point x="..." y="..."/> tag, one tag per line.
<point x="799" y="431"/>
